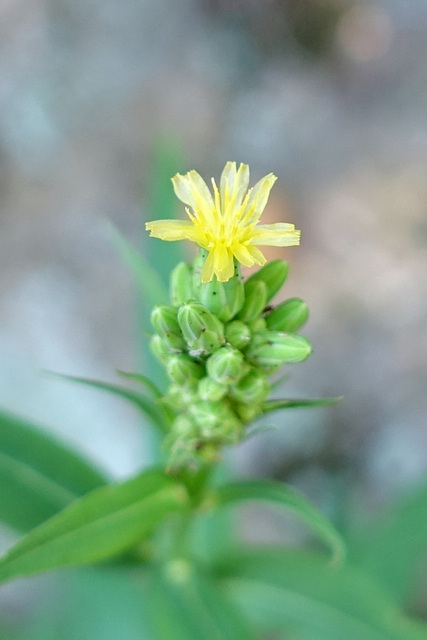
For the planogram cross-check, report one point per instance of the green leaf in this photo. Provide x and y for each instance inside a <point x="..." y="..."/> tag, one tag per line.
<point x="287" y="497"/>
<point x="300" y="591"/>
<point x="144" y="381"/>
<point x="38" y="475"/>
<point x="98" y="526"/>
<point x="292" y="403"/>
<point x="153" y="411"/>
<point x="395" y="546"/>
<point x="186" y="604"/>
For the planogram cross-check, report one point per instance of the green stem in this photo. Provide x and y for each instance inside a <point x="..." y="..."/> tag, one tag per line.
<point x="197" y="484"/>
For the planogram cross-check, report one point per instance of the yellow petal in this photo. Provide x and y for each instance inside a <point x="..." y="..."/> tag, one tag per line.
<point x="242" y="254"/>
<point x="207" y="270"/>
<point x="175" y="230"/>
<point x="234" y="184"/>
<point x="228" y="176"/>
<point x="280" y="234"/>
<point x="257" y="255"/>
<point x="219" y="262"/>
<point x="257" y="200"/>
<point x="192" y="190"/>
<point x="223" y="263"/>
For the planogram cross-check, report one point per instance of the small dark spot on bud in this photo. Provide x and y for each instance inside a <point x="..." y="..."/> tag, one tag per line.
<point x="204" y="329"/>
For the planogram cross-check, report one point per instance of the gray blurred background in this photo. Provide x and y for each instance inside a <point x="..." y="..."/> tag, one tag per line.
<point x="331" y="96"/>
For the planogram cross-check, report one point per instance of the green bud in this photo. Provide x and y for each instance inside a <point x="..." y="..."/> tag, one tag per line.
<point x="226" y="365"/>
<point x="202" y="331"/>
<point x="182" y="370"/>
<point x="175" y="343"/>
<point x="257" y="325"/>
<point x="210" y="390"/>
<point x="216" y="420"/>
<point x="247" y="412"/>
<point x="288" y="316"/>
<point x="160" y="348"/>
<point x="181" y="288"/>
<point x="252" y="389"/>
<point x="238" y="334"/>
<point x="273" y="274"/>
<point x="223" y="299"/>
<point x="164" y="320"/>
<point x="179" y="398"/>
<point x="184" y="426"/>
<point x="273" y="348"/>
<point x="255" y="300"/>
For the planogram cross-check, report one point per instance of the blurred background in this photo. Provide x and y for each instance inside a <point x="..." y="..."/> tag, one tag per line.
<point x="99" y="98"/>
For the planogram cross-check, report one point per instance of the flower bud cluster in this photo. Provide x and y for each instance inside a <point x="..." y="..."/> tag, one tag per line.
<point x="219" y="342"/>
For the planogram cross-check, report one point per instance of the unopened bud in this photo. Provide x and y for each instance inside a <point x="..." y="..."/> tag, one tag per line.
<point x="255" y="300"/>
<point x="273" y="274"/>
<point x="226" y="365"/>
<point x="179" y="398"/>
<point x="252" y="389"/>
<point x="257" y="325"/>
<point x="238" y="334"/>
<point x="164" y="320"/>
<point x="175" y="343"/>
<point x="202" y="331"/>
<point x="208" y="389"/>
<point x="247" y="412"/>
<point x="160" y="348"/>
<point x="216" y="420"/>
<point x="272" y="348"/>
<point x="183" y="426"/>
<point x="223" y="299"/>
<point x="288" y="316"/>
<point x="182" y="370"/>
<point x="181" y="288"/>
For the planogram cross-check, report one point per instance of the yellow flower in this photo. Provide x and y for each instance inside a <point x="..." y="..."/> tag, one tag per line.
<point x="225" y="224"/>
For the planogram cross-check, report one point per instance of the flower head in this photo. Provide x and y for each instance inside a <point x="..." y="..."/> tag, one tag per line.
<point x="225" y="223"/>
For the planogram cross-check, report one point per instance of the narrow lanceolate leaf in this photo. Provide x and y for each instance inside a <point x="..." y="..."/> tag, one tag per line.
<point x="292" y="403"/>
<point x="153" y="411"/>
<point x="288" y="590"/>
<point x="144" y="381"/>
<point x="38" y="475"/>
<point x="98" y="526"/>
<point x="185" y="604"/>
<point x="291" y="500"/>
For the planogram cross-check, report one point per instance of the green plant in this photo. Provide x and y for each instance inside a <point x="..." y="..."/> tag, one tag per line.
<point x="165" y="535"/>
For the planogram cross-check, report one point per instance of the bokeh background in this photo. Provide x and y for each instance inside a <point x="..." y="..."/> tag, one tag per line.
<point x="99" y="97"/>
